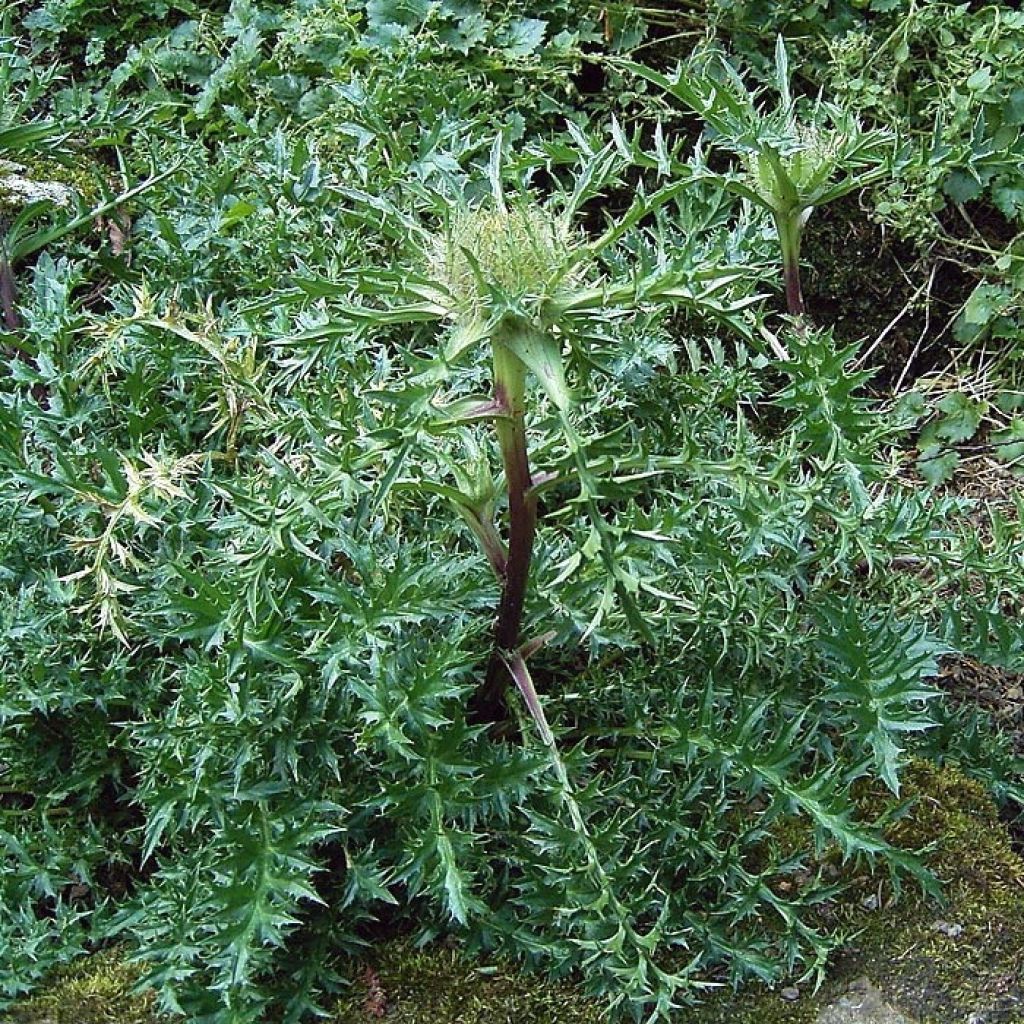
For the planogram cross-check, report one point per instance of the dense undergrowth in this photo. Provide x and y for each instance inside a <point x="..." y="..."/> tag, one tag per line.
<point x="418" y="515"/>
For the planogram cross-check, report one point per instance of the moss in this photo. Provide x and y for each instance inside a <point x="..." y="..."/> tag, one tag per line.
<point x="946" y="962"/>
<point x="97" y="990"/>
<point x="940" y="963"/>
<point x="440" y="986"/>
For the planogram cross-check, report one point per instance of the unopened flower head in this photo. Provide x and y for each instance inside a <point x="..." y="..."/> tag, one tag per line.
<point x="516" y="251"/>
<point x="810" y="162"/>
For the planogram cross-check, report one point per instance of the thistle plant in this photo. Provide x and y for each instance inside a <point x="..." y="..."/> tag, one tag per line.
<point x="496" y="262"/>
<point x="792" y="159"/>
<point x="515" y="276"/>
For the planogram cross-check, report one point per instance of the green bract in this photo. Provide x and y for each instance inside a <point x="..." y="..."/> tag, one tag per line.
<point x="812" y="161"/>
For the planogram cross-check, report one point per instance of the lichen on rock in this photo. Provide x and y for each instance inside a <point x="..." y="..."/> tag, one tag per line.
<point x="18" y="188"/>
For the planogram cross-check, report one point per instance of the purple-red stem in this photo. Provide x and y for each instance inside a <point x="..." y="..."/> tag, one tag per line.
<point x="790" y="229"/>
<point x="488" y="703"/>
<point x="7" y="297"/>
<point x="794" y="294"/>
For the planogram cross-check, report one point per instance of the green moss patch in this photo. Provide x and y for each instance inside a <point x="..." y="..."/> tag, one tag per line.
<point x="404" y="985"/>
<point x="967" y="957"/>
<point x="939" y="964"/>
<point x="93" y="991"/>
<point x="30" y="177"/>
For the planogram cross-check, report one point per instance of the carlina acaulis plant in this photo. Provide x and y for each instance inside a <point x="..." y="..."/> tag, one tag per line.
<point x="512" y="275"/>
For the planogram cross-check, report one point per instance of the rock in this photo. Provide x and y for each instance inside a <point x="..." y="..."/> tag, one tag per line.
<point x="863" y="1003"/>
<point x="790" y="994"/>
<point x="951" y="930"/>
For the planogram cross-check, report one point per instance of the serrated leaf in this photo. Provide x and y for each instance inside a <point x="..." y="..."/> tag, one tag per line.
<point x="406" y="14"/>
<point x="911" y="407"/>
<point x="961" y="417"/>
<point x="983" y="305"/>
<point x="962" y="187"/>
<point x="1010" y="441"/>
<point x="1009" y="199"/>
<point x="523" y="37"/>
<point x="937" y="469"/>
<point x="454" y="885"/>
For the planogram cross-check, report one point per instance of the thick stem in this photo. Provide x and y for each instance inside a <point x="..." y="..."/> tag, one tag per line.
<point x="8" y="309"/>
<point x="488" y="703"/>
<point x="790" y="230"/>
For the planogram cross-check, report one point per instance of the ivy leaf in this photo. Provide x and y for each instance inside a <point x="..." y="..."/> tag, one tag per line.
<point x="984" y="304"/>
<point x="911" y="407"/>
<point x="1009" y="401"/>
<point x="1009" y="198"/>
<point x="467" y="33"/>
<point x="1013" y="108"/>
<point x="980" y="80"/>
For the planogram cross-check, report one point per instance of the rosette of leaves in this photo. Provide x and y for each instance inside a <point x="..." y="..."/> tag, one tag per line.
<point x="793" y="157"/>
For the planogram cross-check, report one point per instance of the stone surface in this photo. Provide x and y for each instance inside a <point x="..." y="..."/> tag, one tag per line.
<point x="863" y="1003"/>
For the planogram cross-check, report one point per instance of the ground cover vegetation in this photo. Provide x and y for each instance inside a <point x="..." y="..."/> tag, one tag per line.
<point x="433" y="506"/>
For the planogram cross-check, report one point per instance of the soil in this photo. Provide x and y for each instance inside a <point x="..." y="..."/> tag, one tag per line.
<point x="999" y="692"/>
<point x="868" y="284"/>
